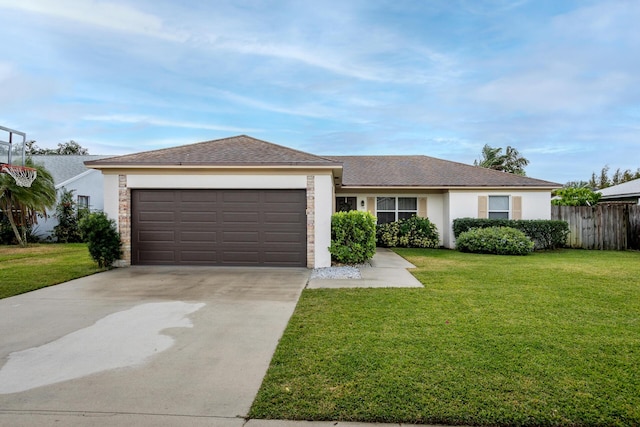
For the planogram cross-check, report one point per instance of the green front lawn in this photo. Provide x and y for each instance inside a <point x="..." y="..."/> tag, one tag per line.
<point x="547" y="339"/>
<point x="40" y="265"/>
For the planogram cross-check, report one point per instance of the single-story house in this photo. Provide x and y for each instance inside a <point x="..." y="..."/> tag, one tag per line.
<point x="626" y="192"/>
<point x="243" y="201"/>
<point x="70" y="172"/>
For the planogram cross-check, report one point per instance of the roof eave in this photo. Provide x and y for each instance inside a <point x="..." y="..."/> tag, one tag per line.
<point x="448" y="187"/>
<point x="257" y="165"/>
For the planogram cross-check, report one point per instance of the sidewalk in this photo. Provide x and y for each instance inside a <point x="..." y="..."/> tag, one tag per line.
<point x="387" y="270"/>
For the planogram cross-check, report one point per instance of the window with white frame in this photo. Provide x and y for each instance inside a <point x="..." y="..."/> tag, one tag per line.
<point x="389" y="209"/>
<point x="499" y="207"/>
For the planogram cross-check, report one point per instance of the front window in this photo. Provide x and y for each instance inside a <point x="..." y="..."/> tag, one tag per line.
<point x="389" y="209"/>
<point x="83" y="202"/>
<point x="499" y="207"/>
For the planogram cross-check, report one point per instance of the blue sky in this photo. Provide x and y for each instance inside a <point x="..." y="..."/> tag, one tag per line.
<point x="558" y="80"/>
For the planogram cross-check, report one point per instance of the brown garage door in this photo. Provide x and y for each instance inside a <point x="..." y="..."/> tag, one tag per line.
<point x="219" y="227"/>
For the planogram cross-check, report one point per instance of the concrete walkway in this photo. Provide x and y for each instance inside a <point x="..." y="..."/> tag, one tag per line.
<point x="387" y="270"/>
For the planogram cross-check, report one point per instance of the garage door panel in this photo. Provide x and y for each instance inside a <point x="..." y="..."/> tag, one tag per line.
<point x="281" y="257"/>
<point x="197" y="196"/>
<point x="156" y="236"/>
<point x="203" y="257"/>
<point x="241" y="196"/>
<point x="198" y="236"/>
<point x="219" y="227"/>
<point x="240" y="257"/>
<point x="240" y="217"/>
<point x="281" y="237"/>
<point x="240" y="237"/>
<point x="156" y="256"/>
<point x="284" y="197"/>
<point x="198" y="217"/>
<point x="156" y="196"/>
<point x="168" y="217"/>
<point x="282" y="217"/>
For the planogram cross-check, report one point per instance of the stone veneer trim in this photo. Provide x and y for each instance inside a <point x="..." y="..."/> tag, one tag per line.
<point x="124" y="220"/>
<point x="311" y="225"/>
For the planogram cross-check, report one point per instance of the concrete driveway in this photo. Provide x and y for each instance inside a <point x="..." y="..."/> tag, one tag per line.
<point x="144" y="346"/>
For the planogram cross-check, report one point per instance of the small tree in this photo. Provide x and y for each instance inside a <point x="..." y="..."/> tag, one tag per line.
<point x="68" y="229"/>
<point x="103" y="238"/>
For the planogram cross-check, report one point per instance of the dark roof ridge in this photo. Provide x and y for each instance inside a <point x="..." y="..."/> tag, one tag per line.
<point x="233" y="150"/>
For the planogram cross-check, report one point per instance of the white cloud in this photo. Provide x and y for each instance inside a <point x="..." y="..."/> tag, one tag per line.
<point x="105" y="14"/>
<point x="147" y="120"/>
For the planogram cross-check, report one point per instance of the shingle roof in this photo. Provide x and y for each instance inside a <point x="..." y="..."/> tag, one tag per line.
<point x="424" y="171"/>
<point x="628" y="189"/>
<point x="238" y="150"/>
<point x="64" y="167"/>
<point x="358" y="171"/>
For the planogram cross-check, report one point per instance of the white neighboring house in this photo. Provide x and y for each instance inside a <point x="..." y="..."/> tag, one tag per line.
<point x="69" y="171"/>
<point x="626" y="192"/>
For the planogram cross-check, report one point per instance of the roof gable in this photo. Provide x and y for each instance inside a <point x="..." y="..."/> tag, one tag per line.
<point x="65" y="167"/>
<point x="424" y="171"/>
<point x="234" y="151"/>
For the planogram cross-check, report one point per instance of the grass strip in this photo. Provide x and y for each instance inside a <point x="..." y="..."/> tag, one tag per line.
<point x="41" y="265"/>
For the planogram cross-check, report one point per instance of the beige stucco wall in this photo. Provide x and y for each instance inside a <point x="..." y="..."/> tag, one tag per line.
<point x="444" y="207"/>
<point x="322" y="205"/>
<point x="435" y="204"/>
<point x="464" y="203"/>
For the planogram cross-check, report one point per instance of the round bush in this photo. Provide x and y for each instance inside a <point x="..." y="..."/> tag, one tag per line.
<point x="102" y="237"/>
<point x="494" y="240"/>
<point x="414" y="232"/>
<point x="353" y="237"/>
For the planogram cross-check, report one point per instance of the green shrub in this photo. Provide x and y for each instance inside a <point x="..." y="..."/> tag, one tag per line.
<point x="494" y="240"/>
<point x="353" y="237"/>
<point x="414" y="232"/>
<point x="102" y="237"/>
<point x="546" y="234"/>
<point x="572" y="196"/>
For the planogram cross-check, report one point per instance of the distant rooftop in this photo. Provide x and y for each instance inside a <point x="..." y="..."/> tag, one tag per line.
<point x="65" y="167"/>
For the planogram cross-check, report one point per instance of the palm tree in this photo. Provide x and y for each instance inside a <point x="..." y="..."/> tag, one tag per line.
<point x="21" y="205"/>
<point x="511" y="161"/>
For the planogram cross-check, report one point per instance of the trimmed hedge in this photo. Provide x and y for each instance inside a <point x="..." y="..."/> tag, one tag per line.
<point x="546" y="234"/>
<point x="494" y="240"/>
<point x="414" y="232"/>
<point x="353" y="237"/>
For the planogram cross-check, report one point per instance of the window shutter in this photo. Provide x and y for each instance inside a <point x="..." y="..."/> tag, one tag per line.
<point x="482" y="207"/>
<point x="371" y="205"/>
<point x="516" y="207"/>
<point x="422" y="207"/>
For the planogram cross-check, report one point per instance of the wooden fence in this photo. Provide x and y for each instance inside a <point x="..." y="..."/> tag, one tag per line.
<point x="604" y="226"/>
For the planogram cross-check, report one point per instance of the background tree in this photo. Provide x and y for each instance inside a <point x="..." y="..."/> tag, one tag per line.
<point x="511" y="161"/>
<point x="575" y="196"/>
<point x="619" y="176"/>
<point x="68" y="229"/>
<point x="21" y="205"/>
<point x="64" y="148"/>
